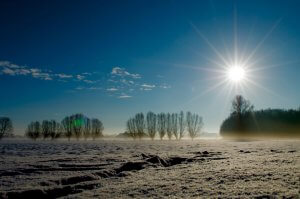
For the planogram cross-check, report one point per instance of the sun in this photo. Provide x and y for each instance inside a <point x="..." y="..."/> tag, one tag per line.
<point x="236" y="73"/>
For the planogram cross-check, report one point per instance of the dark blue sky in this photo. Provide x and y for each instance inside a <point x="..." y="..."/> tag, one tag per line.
<point x="111" y="59"/>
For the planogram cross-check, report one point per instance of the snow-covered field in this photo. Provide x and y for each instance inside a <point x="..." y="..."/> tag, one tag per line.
<point x="156" y="169"/>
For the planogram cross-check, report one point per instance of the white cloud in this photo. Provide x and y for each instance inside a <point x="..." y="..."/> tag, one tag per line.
<point x="79" y="88"/>
<point x="148" y="86"/>
<point x="64" y="76"/>
<point x="80" y="77"/>
<point x="89" y="81"/>
<point x="123" y="73"/>
<point x="23" y="71"/>
<point x="10" y="65"/>
<point x="94" y="88"/>
<point x="146" y="89"/>
<point x="165" y="86"/>
<point x="39" y="75"/>
<point x="112" y="89"/>
<point x="4" y="63"/>
<point x="8" y="71"/>
<point x="8" y="68"/>
<point x="86" y="73"/>
<point x="124" y="96"/>
<point x="35" y="70"/>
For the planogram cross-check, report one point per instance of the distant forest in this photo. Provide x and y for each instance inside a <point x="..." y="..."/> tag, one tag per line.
<point x="245" y="121"/>
<point x="76" y="125"/>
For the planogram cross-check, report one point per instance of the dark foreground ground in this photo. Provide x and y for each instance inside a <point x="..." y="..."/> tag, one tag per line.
<point x="143" y="169"/>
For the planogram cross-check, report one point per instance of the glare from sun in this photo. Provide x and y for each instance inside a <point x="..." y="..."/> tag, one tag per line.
<point x="236" y="73"/>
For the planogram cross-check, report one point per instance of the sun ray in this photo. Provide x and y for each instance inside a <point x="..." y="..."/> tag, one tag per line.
<point x="209" y="44"/>
<point x="261" y="42"/>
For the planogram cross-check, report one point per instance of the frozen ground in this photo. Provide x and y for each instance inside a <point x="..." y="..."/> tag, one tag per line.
<point x="159" y="169"/>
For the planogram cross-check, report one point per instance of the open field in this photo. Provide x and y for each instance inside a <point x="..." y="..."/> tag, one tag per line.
<point x="157" y="169"/>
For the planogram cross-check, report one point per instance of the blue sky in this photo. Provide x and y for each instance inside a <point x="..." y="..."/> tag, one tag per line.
<point x="112" y="59"/>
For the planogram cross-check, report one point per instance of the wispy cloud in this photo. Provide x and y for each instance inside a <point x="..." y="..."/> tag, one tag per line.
<point x="89" y="81"/>
<point x="148" y="85"/>
<point x="119" y="82"/>
<point x="94" y="88"/>
<point x="165" y="86"/>
<point x="64" y="76"/>
<point x="124" y="96"/>
<point x="112" y="89"/>
<point x="88" y="88"/>
<point x="146" y="89"/>
<point x="123" y="73"/>
<point x="8" y="71"/>
<point x="8" y="68"/>
<point x="80" y="77"/>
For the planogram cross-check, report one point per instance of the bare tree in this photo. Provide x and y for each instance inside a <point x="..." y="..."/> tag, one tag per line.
<point x="87" y="128"/>
<point x="33" y="130"/>
<point x="97" y="128"/>
<point x="241" y="106"/>
<point x="131" y="128"/>
<point x="182" y="124"/>
<point x="67" y="127"/>
<point x="6" y="127"/>
<point x="169" y="126"/>
<point x="161" y="125"/>
<point x="46" y="125"/>
<point x="55" y="129"/>
<point x="151" y="125"/>
<point x="174" y="119"/>
<point x="194" y="124"/>
<point x="140" y="124"/>
<point x="77" y="125"/>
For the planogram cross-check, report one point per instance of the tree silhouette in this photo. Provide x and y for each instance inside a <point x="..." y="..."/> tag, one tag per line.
<point x="140" y="124"/>
<point x="194" y="124"/>
<point x="151" y="124"/>
<point x="87" y="128"/>
<point x="241" y="106"/>
<point x="46" y="125"/>
<point x="131" y="128"/>
<point x="267" y="122"/>
<point x="182" y="124"/>
<point x="169" y="126"/>
<point x="78" y="121"/>
<point x="174" y="119"/>
<point x="161" y="125"/>
<point x="67" y="127"/>
<point x="97" y="128"/>
<point x="6" y="127"/>
<point x="56" y="129"/>
<point x="33" y="130"/>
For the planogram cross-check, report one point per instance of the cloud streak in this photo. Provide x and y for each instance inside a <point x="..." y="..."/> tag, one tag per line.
<point x="120" y="83"/>
<point x="8" y="68"/>
<point x="112" y="89"/>
<point x="118" y="71"/>
<point x="124" y="96"/>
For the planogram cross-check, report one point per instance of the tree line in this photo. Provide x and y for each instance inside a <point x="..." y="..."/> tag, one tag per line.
<point x="6" y="127"/>
<point x="164" y="125"/>
<point x="76" y="125"/>
<point x="244" y="120"/>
